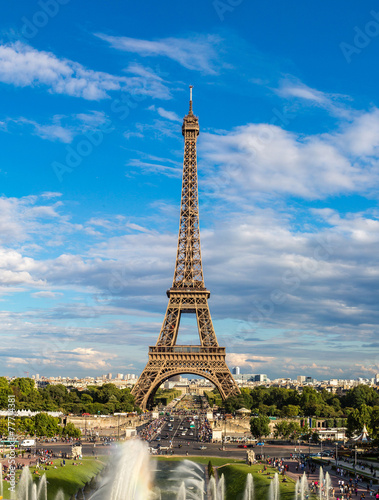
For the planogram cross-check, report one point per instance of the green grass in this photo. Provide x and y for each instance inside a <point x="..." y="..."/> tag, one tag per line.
<point x="235" y="479"/>
<point x="69" y="478"/>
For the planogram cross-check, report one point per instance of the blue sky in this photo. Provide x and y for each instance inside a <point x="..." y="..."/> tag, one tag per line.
<point x="92" y="99"/>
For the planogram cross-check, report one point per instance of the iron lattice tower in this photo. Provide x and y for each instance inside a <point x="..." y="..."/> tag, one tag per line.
<point x="187" y="295"/>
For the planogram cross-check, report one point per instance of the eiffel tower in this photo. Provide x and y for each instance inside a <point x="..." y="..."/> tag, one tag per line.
<point x="187" y="295"/>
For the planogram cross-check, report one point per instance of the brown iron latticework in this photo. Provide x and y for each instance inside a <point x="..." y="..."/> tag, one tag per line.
<point x="187" y="295"/>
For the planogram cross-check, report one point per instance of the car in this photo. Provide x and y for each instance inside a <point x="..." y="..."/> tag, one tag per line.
<point x="242" y="446"/>
<point x="191" y="433"/>
<point x="202" y="447"/>
<point x="260" y="444"/>
<point x="183" y="433"/>
<point x="158" y="438"/>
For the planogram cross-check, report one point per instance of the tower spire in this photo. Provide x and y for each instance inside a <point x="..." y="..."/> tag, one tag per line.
<point x="190" y="103"/>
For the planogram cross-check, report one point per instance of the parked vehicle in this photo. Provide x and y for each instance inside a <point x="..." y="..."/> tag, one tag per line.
<point x="27" y="443"/>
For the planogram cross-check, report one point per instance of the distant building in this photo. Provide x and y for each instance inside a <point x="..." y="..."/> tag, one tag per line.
<point x="120" y="376"/>
<point x="310" y="380"/>
<point x="236" y="370"/>
<point x="251" y="377"/>
<point x="109" y="376"/>
<point x="301" y="379"/>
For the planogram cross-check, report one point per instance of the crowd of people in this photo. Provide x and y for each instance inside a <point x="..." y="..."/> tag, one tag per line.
<point x="205" y="431"/>
<point x="152" y="429"/>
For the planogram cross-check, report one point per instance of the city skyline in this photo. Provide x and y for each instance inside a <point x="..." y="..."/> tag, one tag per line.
<point x="288" y="156"/>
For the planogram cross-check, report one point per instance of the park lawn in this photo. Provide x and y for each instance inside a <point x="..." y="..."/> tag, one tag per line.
<point x="70" y="477"/>
<point x="235" y="480"/>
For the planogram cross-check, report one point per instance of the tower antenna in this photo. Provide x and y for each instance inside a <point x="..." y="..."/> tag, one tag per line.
<point x="190" y="103"/>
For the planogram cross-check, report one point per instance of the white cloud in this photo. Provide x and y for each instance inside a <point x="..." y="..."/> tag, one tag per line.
<point x="22" y="66"/>
<point x="196" y="52"/>
<point x="48" y="294"/>
<point x="90" y="359"/>
<point x="51" y="194"/>
<point x="52" y="132"/>
<point x="148" y="168"/>
<point x="334" y="103"/>
<point x="164" y="113"/>
<point x="170" y="115"/>
<point x="267" y="159"/>
<point x="361" y="136"/>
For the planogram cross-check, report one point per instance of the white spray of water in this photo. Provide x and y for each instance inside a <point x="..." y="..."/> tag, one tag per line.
<point x="301" y="489"/>
<point x="221" y="488"/>
<point x="273" y="491"/>
<point x="42" y="488"/>
<point x="249" y="488"/>
<point x="182" y="492"/>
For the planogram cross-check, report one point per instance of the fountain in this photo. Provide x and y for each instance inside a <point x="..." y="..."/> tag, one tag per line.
<point x="130" y="475"/>
<point x="212" y="489"/>
<point x="324" y="485"/>
<point x="301" y="489"/>
<point x="249" y="488"/>
<point x="27" y="489"/>
<point x="273" y="492"/>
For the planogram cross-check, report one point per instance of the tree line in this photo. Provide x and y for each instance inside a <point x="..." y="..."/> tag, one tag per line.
<point x="359" y="406"/>
<point x="104" y="400"/>
<point x="41" y="424"/>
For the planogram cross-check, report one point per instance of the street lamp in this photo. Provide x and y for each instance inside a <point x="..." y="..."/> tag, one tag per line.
<point x="336" y="453"/>
<point x="355" y="457"/>
<point x="224" y="435"/>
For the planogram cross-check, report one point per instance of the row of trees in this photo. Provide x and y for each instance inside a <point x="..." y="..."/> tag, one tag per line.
<point x="105" y="400"/>
<point x="357" y="418"/>
<point x="287" y="403"/>
<point x="39" y="425"/>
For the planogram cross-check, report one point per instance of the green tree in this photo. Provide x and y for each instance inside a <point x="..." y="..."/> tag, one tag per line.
<point x="25" y="385"/>
<point x="290" y="411"/>
<point x="5" y="391"/>
<point x="374" y="423"/>
<point x="86" y="399"/>
<point x="282" y="429"/>
<point x="46" y="425"/>
<point x="294" y="429"/>
<point x="3" y="427"/>
<point x="211" y="471"/>
<point x="315" y="437"/>
<point x="71" y="431"/>
<point x="357" y="418"/>
<point x="259" y="426"/>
